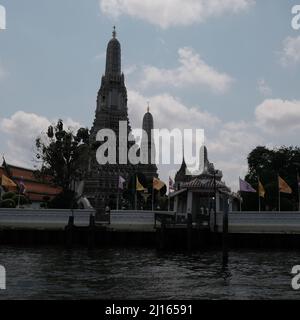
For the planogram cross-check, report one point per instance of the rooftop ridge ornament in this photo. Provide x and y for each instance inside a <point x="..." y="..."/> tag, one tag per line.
<point x="114" y="34"/>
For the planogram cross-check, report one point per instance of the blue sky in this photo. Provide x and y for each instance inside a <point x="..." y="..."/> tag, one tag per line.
<point x="231" y="66"/>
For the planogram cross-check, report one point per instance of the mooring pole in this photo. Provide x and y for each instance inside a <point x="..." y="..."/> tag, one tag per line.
<point x="162" y="239"/>
<point x="225" y="230"/>
<point x="69" y="232"/>
<point x="91" y="232"/>
<point x="189" y="231"/>
<point x="215" y="203"/>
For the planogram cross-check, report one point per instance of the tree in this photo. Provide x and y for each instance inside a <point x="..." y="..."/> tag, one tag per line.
<point x="12" y="199"/>
<point x="266" y="164"/>
<point x="63" y="156"/>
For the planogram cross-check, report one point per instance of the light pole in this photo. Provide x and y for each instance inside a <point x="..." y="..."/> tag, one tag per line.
<point x="215" y="203"/>
<point x="297" y="165"/>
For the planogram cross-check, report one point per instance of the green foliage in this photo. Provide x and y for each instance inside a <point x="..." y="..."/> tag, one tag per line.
<point x="11" y="200"/>
<point x="22" y="200"/>
<point x="8" y="203"/>
<point x="8" y="195"/>
<point x="267" y="164"/>
<point x="65" y="200"/>
<point x="63" y="155"/>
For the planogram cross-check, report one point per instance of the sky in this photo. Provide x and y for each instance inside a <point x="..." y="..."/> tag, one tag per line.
<point x="230" y="67"/>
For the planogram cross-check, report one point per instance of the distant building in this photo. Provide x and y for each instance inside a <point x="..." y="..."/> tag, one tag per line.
<point x="203" y="192"/>
<point x="101" y="182"/>
<point x="35" y="190"/>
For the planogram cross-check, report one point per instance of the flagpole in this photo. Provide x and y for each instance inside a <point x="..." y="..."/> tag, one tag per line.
<point x="19" y="198"/>
<point x="240" y="193"/>
<point x="298" y="183"/>
<point x="259" y="203"/>
<point x="135" y="194"/>
<point x="118" y="194"/>
<point x="118" y="198"/>
<point x="279" y="195"/>
<point x="241" y="203"/>
<point x="152" y="198"/>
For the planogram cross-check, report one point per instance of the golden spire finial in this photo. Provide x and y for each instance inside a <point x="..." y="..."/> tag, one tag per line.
<point x="114" y="32"/>
<point x="148" y="108"/>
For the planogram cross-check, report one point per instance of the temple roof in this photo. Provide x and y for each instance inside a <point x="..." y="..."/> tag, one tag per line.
<point x="205" y="184"/>
<point x="35" y="189"/>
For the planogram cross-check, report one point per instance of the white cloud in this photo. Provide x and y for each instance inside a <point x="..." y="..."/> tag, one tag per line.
<point x="230" y="146"/>
<point x="228" y="143"/>
<point x="264" y="88"/>
<point x="168" y="112"/>
<point x="235" y="138"/>
<point x="130" y="69"/>
<point x="291" y="51"/>
<point x="170" y="13"/>
<point x="276" y="116"/>
<point x="2" y="72"/>
<point x="192" y="72"/>
<point x="19" y="133"/>
<point x="100" y="56"/>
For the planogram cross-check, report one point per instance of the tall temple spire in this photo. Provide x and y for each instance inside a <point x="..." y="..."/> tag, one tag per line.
<point x="113" y="56"/>
<point x="148" y="152"/>
<point x="102" y="181"/>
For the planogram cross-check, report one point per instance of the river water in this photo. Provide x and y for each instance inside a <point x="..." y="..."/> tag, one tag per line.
<point x="138" y="273"/>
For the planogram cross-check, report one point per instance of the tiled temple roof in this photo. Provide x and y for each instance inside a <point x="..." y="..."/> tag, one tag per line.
<point x="35" y="189"/>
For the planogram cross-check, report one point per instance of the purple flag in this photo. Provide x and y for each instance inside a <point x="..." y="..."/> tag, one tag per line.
<point x="121" y="183"/>
<point x="22" y="186"/>
<point x="246" y="187"/>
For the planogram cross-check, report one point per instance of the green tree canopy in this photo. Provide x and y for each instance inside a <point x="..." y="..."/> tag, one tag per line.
<point x="63" y="155"/>
<point x="266" y="164"/>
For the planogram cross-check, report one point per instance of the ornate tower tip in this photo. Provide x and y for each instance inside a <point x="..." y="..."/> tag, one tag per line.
<point x="114" y="32"/>
<point x="148" y="107"/>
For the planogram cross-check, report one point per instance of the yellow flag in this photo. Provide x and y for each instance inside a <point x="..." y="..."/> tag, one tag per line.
<point x="283" y="186"/>
<point x="261" y="190"/>
<point x="6" y="182"/>
<point x="157" y="184"/>
<point x="139" y="186"/>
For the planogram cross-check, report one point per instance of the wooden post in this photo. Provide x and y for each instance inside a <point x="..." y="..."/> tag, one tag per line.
<point x="189" y="231"/>
<point x="91" y="232"/>
<point x="69" y="232"/>
<point x="162" y="234"/>
<point x="225" y="231"/>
